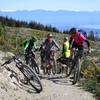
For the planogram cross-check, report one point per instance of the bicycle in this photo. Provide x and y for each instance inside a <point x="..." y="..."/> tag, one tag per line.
<point x="28" y="73"/>
<point x="30" y="59"/>
<point x="78" y="56"/>
<point x="49" y="63"/>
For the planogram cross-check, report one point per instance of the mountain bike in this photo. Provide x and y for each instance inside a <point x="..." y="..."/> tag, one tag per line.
<point x="49" y="65"/>
<point x="28" y="73"/>
<point x="78" y="58"/>
<point x="30" y="59"/>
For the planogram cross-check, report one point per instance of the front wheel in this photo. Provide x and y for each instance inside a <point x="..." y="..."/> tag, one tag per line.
<point x="77" y="70"/>
<point x="33" y="79"/>
<point x="34" y="65"/>
<point x="54" y="67"/>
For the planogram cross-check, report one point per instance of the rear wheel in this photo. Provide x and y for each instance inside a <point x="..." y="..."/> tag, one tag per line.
<point x="32" y="78"/>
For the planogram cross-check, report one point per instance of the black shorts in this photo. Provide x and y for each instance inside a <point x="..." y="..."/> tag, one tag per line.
<point x="80" y="49"/>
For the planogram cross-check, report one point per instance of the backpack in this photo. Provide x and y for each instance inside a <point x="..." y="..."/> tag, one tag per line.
<point x="83" y="33"/>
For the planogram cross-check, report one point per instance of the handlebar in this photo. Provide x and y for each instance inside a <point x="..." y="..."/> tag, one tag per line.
<point x="9" y="61"/>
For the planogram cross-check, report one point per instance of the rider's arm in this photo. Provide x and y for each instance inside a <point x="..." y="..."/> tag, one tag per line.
<point x="56" y="44"/>
<point x="26" y="44"/>
<point x="71" y="42"/>
<point x="89" y="46"/>
<point x="35" y="45"/>
<point x="88" y="43"/>
<point x="42" y="45"/>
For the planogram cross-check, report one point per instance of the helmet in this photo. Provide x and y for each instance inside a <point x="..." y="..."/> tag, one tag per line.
<point x="33" y="38"/>
<point x="73" y="30"/>
<point x="49" y="35"/>
<point x="66" y="38"/>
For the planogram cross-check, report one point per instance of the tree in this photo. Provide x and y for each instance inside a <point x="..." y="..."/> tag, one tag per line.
<point x="91" y="36"/>
<point x="34" y="25"/>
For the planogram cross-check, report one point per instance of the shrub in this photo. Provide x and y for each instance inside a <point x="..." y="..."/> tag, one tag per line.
<point x="92" y="79"/>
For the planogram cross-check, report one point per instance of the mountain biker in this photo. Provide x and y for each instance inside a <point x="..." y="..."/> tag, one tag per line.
<point x="65" y="53"/>
<point x="28" y="46"/>
<point x="46" y="48"/>
<point x="76" y="42"/>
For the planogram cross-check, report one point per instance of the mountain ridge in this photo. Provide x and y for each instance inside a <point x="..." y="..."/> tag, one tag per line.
<point x="60" y="18"/>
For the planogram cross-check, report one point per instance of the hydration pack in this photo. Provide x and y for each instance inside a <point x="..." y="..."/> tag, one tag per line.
<point x="83" y="33"/>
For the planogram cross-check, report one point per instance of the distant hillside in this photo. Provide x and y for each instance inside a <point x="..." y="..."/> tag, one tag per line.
<point x="12" y="38"/>
<point x="33" y="25"/>
<point x="61" y="19"/>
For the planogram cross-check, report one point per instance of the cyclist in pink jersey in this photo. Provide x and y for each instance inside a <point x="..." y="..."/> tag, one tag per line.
<point x="77" y="40"/>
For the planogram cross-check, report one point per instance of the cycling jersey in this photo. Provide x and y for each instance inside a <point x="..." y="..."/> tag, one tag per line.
<point x="78" y="38"/>
<point x="48" y="46"/>
<point x="29" y="44"/>
<point x="66" y="50"/>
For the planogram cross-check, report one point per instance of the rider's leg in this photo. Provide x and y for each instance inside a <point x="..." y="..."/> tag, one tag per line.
<point x="26" y="57"/>
<point x="60" y="61"/>
<point x="42" y="62"/>
<point x="81" y="53"/>
<point x="42" y="55"/>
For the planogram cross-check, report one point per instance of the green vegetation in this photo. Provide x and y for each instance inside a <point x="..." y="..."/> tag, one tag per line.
<point x="92" y="77"/>
<point x="12" y="38"/>
<point x="33" y="25"/>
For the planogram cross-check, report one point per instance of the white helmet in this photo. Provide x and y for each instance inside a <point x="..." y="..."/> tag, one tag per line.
<point x="49" y="35"/>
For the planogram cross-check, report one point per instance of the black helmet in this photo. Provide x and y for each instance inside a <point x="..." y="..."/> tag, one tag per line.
<point x="73" y="30"/>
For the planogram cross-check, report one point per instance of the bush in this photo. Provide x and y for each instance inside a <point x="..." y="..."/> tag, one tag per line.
<point x="92" y="78"/>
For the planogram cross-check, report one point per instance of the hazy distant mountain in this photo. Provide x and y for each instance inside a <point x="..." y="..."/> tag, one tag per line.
<point x="61" y="19"/>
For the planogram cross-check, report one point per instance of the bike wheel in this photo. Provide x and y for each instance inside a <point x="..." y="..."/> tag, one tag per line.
<point x="77" y="70"/>
<point x="34" y="65"/>
<point x="68" y="70"/>
<point x="32" y="78"/>
<point x="54" y="67"/>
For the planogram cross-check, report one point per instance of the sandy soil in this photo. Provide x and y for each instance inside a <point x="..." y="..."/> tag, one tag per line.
<point x="54" y="88"/>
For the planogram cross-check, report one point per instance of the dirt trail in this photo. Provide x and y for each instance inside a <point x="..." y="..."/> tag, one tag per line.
<point x="53" y="89"/>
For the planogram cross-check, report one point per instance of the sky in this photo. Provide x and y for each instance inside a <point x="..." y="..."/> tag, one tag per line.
<point x="54" y="5"/>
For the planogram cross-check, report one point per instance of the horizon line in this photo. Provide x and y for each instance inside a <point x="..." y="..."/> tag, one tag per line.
<point x="49" y="10"/>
